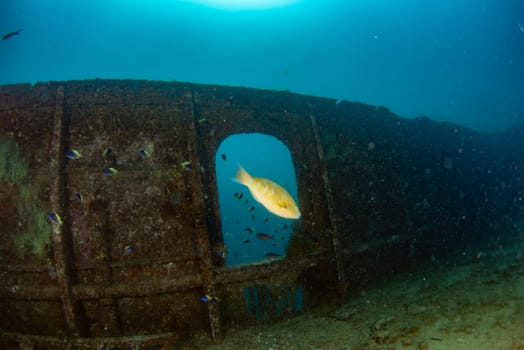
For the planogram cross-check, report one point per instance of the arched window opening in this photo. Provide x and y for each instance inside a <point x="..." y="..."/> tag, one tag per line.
<point x="252" y="230"/>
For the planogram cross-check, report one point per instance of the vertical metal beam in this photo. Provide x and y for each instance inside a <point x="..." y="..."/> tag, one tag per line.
<point x="108" y="305"/>
<point x="59" y="236"/>
<point x="201" y="223"/>
<point x="335" y="240"/>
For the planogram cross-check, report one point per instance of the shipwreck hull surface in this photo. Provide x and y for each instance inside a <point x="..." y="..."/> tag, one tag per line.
<point x="131" y="260"/>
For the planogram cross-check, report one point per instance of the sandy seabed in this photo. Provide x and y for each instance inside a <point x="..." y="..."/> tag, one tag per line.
<point x="474" y="303"/>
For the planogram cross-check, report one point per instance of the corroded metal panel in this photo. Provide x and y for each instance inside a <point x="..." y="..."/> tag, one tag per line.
<point x="33" y="317"/>
<point x="135" y="250"/>
<point x="222" y="112"/>
<point x="26" y="129"/>
<point x="138" y="225"/>
<point x="123" y="237"/>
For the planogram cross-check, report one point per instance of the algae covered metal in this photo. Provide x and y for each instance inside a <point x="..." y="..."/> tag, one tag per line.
<point x="110" y="218"/>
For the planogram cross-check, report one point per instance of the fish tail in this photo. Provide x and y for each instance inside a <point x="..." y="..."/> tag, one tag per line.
<point x="242" y="176"/>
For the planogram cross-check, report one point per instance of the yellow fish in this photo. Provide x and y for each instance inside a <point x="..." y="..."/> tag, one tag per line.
<point x="268" y="193"/>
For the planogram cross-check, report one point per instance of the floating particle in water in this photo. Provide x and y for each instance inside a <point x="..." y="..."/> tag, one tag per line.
<point x="448" y="163"/>
<point x="371" y="146"/>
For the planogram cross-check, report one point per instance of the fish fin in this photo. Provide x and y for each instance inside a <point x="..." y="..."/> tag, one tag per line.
<point x="242" y="176"/>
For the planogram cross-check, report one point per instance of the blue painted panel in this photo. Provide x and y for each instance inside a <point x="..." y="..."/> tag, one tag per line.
<point x="265" y="302"/>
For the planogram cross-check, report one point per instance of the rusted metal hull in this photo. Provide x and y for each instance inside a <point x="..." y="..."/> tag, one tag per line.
<point x="129" y="263"/>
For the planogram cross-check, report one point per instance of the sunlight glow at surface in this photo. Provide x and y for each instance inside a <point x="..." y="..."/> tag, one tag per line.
<point x="245" y="4"/>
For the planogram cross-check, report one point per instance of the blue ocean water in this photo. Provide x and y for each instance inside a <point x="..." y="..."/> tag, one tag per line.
<point x="242" y="216"/>
<point x="459" y="61"/>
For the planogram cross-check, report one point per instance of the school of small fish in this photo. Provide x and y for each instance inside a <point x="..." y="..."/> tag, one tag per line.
<point x="270" y="195"/>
